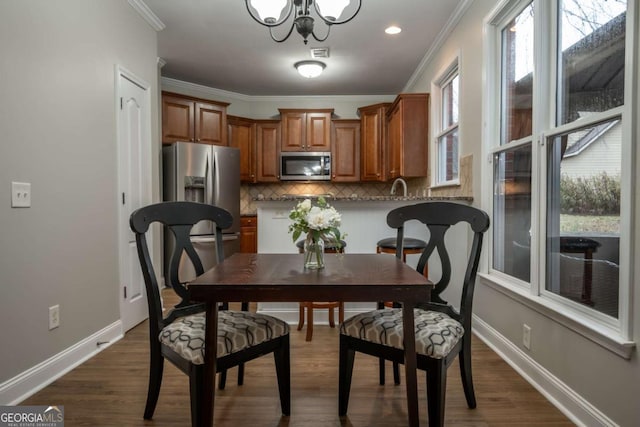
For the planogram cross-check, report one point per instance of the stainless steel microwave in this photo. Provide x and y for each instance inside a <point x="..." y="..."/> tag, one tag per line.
<point x="303" y="166"/>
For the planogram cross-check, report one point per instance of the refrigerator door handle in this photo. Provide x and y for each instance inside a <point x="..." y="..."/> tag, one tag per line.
<point x="207" y="180"/>
<point x="215" y="181"/>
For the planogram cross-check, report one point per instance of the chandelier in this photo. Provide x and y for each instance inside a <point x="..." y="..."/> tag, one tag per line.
<point x="272" y="13"/>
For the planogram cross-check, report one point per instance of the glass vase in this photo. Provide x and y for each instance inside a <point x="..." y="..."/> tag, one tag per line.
<point x="313" y="254"/>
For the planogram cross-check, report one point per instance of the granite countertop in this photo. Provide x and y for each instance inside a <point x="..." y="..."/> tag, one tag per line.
<point x="287" y="197"/>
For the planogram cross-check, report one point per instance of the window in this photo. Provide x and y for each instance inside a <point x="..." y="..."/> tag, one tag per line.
<point x="557" y="155"/>
<point x="447" y="158"/>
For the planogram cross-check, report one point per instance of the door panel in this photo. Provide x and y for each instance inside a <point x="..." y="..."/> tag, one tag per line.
<point x="134" y="178"/>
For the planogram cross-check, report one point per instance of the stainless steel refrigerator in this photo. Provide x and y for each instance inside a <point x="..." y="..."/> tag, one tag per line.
<point x="206" y="174"/>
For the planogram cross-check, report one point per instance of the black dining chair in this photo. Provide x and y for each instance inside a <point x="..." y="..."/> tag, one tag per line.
<point x="179" y="336"/>
<point x="441" y="331"/>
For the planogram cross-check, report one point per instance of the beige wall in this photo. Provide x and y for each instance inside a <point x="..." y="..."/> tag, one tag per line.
<point x="57" y="121"/>
<point x="598" y="376"/>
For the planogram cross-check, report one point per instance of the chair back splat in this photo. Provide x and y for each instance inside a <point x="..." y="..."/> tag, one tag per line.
<point x="179" y="337"/>
<point x="441" y="332"/>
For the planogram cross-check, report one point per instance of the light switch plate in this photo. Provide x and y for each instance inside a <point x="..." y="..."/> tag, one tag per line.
<point x="20" y="195"/>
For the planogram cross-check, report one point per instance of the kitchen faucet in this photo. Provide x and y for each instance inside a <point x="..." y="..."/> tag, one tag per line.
<point x="404" y="186"/>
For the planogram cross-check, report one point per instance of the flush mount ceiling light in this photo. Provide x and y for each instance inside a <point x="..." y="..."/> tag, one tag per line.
<point x="272" y="13"/>
<point x="393" y="30"/>
<point x="309" y="69"/>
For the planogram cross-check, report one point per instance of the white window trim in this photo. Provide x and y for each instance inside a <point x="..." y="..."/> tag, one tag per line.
<point x="445" y="75"/>
<point x="615" y="335"/>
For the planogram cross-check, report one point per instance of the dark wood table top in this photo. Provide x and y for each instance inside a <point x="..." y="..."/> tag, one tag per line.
<point x="281" y="277"/>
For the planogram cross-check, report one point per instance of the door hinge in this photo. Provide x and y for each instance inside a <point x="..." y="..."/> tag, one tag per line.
<point x="125" y="292"/>
<point x="121" y="101"/>
<point x="123" y="198"/>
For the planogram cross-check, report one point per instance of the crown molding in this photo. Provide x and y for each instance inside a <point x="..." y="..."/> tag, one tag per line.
<point x="169" y="84"/>
<point x="437" y="44"/>
<point x="146" y="13"/>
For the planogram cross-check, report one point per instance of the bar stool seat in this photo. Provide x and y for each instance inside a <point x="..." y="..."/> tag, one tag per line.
<point x="310" y="305"/>
<point x="411" y="246"/>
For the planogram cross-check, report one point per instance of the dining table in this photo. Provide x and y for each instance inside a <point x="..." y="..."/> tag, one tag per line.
<point x="259" y="277"/>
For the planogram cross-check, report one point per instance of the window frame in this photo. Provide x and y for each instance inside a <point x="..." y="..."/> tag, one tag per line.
<point x="445" y="76"/>
<point x="613" y="334"/>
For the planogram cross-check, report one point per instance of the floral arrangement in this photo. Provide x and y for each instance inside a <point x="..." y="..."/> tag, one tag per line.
<point x="320" y="222"/>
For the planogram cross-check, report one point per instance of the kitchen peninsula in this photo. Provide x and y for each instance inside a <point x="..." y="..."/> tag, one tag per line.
<point x="363" y="224"/>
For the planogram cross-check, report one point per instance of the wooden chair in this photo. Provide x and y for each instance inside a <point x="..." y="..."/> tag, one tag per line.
<point x="179" y="337"/>
<point x="309" y="306"/>
<point x="442" y="333"/>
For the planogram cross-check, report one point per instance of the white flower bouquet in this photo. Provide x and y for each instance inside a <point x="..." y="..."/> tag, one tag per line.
<point x="320" y="223"/>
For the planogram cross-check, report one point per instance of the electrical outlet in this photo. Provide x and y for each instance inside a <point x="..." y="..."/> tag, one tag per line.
<point x="526" y="336"/>
<point x="54" y="316"/>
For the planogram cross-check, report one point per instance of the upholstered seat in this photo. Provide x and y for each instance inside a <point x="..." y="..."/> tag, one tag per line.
<point x="237" y="330"/>
<point x="436" y="333"/>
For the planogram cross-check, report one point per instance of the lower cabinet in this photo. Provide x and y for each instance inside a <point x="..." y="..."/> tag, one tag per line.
<point x="249" y="234"/>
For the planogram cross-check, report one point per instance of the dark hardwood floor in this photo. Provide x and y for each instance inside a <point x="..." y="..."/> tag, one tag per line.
<point x="111" y="388"/>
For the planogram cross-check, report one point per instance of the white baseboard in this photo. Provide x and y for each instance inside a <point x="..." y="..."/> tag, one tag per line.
<point x="27" y="383"/>
<point x="570" y="403"/>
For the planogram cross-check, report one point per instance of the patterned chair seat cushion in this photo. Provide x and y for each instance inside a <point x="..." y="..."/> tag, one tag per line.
<point x="436" y="333"/>
<point x="237" y="330"/>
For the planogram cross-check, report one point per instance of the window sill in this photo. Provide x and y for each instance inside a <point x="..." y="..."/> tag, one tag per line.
<point x="454" y="183"/>
<point x="604" y="336"/>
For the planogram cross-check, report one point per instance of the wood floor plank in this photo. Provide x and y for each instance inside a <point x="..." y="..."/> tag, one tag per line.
<point x="110" y="390"/>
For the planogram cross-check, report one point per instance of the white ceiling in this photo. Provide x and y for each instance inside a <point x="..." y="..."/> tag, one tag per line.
<point x="217" y="44"/>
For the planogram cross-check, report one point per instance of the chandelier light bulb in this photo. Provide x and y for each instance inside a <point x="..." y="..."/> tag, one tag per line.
<point x="269" y="10"/>
<point x="331" y="9"/>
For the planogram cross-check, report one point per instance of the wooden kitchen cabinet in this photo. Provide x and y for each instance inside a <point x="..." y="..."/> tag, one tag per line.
<point x="306" y="130"/>
<point x="267" y="150"/>
<point x="373" y="142"/>
<point x="249" y="234"/>
<point x="242" y="135"/>
<point x="407" y="135"/>
<point x="345" y="151"/>
<point x="193" y="120"/>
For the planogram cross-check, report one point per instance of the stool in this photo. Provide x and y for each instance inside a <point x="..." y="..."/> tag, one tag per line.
<point x="331" y="305"/>
<point x="411" y="246"/>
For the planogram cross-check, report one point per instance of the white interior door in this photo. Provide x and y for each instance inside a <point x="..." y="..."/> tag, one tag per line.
<point x="134" y="175"/>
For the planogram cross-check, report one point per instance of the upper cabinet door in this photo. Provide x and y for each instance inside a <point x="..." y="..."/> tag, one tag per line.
<point x="373" y="129"/>
<point x="408" y="135"/>
<point x="318" y="131"/>
<point x="345" y="150"/>
<point x="241" y="133"/>
<point x="306" y="130"/>
<point x="177" y="119"/>
<point x="211" y="123"/>
<point x="268" y="150"/>
<point x="294" y="126"/>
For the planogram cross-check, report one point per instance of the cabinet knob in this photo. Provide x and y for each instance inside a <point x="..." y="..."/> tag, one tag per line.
<point x="198" y="139"/>
<point x="191" y="140"/>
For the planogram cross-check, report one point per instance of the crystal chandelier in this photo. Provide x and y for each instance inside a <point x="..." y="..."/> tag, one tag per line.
<point x="272" y="13"/>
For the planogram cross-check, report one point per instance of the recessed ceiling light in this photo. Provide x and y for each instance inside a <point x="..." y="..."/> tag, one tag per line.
<point x="392" y="30"/>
